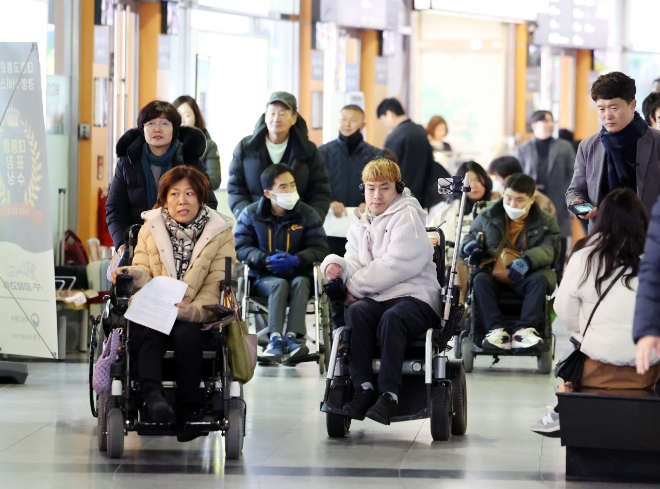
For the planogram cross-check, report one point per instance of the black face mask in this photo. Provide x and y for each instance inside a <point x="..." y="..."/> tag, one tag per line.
<point x="352" y="141"/>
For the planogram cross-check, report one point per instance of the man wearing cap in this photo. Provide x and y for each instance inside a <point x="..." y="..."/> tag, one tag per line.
<point x="280" y="136"/>
<point x="550" y="163"/>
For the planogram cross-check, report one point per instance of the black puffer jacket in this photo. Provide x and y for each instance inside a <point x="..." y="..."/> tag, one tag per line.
<point x="259" y="234"/>
<point x="419" y="171"/>
<point x="251" y="159"/>
<point x="345" y="171"/>
<point x="127" y="198"/>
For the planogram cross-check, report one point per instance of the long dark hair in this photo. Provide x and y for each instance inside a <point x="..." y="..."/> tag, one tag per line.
<point x="200" y="123"/>
<point x="618" y="237"/>
<point x="485" y="180"/>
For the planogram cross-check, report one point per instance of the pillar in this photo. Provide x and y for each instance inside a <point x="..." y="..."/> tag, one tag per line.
<point x="150" y="25"/>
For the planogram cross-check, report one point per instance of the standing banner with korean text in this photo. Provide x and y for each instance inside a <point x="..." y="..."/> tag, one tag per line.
<point x="28" y="318"/>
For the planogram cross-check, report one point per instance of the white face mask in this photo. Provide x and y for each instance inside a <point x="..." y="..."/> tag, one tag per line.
<point x="515" y="214"/>
<point x="287" y="201"/>
<point x="498" y="186"/>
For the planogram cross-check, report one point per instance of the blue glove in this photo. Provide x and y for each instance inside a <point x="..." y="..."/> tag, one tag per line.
<point x="469" y="248"/>
<point x="281" y="263"/>
<point x="518" y="269"/>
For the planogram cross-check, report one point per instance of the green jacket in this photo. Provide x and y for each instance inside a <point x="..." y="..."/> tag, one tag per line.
<point x="542" y="236"/>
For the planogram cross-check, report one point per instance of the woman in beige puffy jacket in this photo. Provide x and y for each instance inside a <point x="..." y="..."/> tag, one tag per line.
<point x="183" y="239"/>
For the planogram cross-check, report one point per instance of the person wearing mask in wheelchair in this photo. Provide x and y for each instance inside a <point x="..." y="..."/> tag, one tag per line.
<point x="518" y="224"/>
<point x="280" y="237"/>
<point x="182" y="238"/>
<point x="393" y="294"/>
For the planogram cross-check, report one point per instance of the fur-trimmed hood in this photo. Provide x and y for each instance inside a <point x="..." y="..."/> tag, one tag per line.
<point x="192" y="144"/>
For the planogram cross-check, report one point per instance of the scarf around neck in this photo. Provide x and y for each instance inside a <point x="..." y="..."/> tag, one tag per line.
<point x="617" y="168"/>
<point x="164" y="162"/>
<point x="184" y="237"/>
<point x="352" y="141"/>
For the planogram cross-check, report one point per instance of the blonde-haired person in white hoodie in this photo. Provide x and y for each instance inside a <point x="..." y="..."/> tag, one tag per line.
<point x="393" y="291"/>
<point x="615" y="243"/>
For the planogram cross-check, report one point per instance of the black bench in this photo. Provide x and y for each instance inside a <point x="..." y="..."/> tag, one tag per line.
<point x="611" y="436"/>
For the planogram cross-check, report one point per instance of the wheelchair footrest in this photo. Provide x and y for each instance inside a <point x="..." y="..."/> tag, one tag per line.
<point x="205" y="425"/>
<point x="292" y="362"/>
<point x="326" y="408"/>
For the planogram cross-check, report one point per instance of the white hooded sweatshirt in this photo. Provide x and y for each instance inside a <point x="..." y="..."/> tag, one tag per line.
<point x="390" y="255"/>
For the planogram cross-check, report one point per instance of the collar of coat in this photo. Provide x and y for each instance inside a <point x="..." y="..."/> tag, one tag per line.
<point x="265" y="212"/>
<point x="154" y="219"/>
<point x="534" y="218"/>
<point x="192" y="145"/>
<point x="302" y="147"/>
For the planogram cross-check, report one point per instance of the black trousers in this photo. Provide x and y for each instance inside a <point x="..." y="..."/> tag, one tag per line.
<point x="532" y="289"/>
<point x="187" y="340"/>
<point x="390" y="325"/>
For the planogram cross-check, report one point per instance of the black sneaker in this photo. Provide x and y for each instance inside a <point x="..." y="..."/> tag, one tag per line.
<point x="358" y="407"/>
<point x="384" y="409"/>
<point x="158" y="408"/>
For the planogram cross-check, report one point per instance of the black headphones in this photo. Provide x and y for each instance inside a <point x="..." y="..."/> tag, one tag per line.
<point x="400" y="186"/>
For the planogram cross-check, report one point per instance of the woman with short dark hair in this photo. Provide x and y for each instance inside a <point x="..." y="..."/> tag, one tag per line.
<point x="183" y="239"/>
<point x="145" y="153"/>
<point x="191" y="115"/>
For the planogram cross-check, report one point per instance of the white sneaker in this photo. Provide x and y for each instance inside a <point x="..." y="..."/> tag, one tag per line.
<point x="497" y="339"/>
<point x="548" y="426"/>
<point x="526" y="338"/>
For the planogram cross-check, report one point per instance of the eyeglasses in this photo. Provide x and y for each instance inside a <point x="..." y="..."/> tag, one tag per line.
<point x="163" y="125"/>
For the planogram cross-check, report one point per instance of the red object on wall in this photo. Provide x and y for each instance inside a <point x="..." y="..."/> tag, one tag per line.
<point x="102" y="226"/>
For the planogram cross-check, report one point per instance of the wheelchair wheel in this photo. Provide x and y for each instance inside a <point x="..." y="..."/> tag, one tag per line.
<point x="102" y="422"/>
<point x="96" y="339"/>
<point x="235" y="433"/>
<point x="544" y="362"/>
<point x="115" y="440"/>
<point x="336" y="424"/>
<point x="466" y="354"/>
<point x="459" y="397"/>
<point x="441" y="411"/>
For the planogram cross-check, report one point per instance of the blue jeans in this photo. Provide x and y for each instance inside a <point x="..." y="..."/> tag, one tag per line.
<point x="532" y="289"/>
<point x="281" y="292"/>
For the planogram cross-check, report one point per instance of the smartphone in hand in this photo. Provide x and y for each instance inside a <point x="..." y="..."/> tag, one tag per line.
<point x="581" y="209"/>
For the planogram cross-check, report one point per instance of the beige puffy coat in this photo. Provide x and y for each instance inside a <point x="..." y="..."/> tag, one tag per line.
<point x="154" y="257"/>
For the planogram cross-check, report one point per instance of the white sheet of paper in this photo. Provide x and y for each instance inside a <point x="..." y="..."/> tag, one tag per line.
<point x="153" y="305"/>
<point x="338" y="226"/>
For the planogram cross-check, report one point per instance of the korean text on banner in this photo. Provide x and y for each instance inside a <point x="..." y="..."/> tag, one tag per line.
<point x="28" y="321"/>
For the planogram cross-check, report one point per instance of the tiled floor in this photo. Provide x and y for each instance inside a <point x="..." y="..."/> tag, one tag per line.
<point x="48" y="439"/>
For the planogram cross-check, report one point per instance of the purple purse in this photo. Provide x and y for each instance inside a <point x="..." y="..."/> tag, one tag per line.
<point x="101" y="381"/>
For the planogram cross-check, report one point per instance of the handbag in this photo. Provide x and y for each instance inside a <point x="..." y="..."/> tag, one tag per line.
<point x="74" y="251"/>
<point x="241" y="345"/>
<point x="101" y="381"/>
<point x="570" y="365"/>
<point x="505" y="257"/>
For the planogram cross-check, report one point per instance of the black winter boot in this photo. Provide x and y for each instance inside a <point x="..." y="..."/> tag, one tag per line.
<point x="159" y="409"/>
<point x="384" y="409"/>
<point x="358" y="407"/>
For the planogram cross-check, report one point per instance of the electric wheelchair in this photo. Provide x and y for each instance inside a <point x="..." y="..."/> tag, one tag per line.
<point x="121" y="411"/>
<point x="254" y="309"/>
<point x="467" y="345"/>
<point x="433" y="385"/>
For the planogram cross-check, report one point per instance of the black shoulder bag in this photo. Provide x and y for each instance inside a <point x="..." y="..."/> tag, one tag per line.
<point x="570" y="365"/>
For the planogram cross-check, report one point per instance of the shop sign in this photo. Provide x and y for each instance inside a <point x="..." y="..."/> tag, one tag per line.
<point x="27" y="271"/>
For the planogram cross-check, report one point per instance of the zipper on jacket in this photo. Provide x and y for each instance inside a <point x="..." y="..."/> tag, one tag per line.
<point x="288" y="239"/>
<point x="270" y="239"/>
